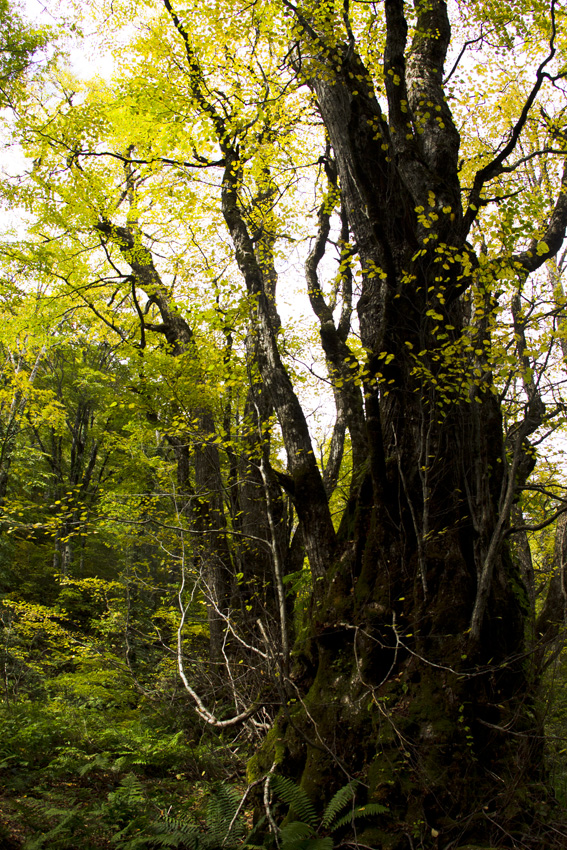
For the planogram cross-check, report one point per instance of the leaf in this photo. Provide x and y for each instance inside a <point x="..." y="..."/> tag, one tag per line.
<point x="370" y="810"/>
<point x="296" y="799"/>
<point x="300" y="836"/>
<point x="343" y="796"/>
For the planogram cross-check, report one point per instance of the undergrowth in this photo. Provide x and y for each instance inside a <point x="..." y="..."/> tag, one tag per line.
<point x="73" y="777"/>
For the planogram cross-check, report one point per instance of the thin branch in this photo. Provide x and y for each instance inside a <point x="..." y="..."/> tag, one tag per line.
<point x="140" y="316"/>
<point x="275" y="549"/>
<point x="240" y="807"/>
<point x="494" y="168"/>
<point x="461" y="54"/>
<point x="538" y="526"/>
<point x="196" y="76"/>
<point x="269" y="815"/>
<point x="306" y="26"/>
<point x="201" y="709"/>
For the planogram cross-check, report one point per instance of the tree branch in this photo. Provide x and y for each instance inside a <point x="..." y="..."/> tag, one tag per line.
<point x="494" y="168"/>
<point x="553" y="238"/>
<point x="436" y="134"/>
<point x="196" y="76"/>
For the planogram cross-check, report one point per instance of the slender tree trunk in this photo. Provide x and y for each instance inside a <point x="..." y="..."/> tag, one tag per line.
<point x="205" y="499"/>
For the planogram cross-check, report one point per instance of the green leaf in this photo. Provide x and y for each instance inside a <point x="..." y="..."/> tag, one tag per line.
<point x="296" y="799"/>
<point x="343" y="796"/>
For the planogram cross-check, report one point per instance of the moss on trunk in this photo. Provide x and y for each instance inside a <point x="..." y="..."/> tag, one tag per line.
<point x="387" y="689"/>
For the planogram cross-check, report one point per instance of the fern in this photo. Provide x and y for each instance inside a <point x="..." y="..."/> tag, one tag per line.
<point x="223" y="805"/>
<point x="131" y="789"/>
<point x="173" y="832"/>
<point x="296" y="831"/>
<point x="295" y="835"/>
<point x="301" y="836"/>
<point x="60" y="833"/>
<point x="175" y="839"/>
<point x="296" y="799"/>
<point x="100" y="761"/>
<point x="304" y="833"/>
<point x="337" y="803"/>
<point x="128" y="760"/>
<point x="314" y="844"/>
<point x="369" y="810"/>
<point x="222" y="829"/>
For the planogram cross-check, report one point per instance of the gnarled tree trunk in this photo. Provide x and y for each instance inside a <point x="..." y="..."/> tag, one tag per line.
<point x="411" y="674"/>
<point x="414" y="677"/>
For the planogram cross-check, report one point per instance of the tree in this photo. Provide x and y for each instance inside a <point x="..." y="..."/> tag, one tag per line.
<point x="412" y="672"/>
<point x="18" y="45"/>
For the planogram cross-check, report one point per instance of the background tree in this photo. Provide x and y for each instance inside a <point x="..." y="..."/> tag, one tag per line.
<point x="19" y="44"/>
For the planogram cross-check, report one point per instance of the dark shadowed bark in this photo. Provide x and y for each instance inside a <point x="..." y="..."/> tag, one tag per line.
<point x="550" y="624"/>
<point x="414" y="677"/>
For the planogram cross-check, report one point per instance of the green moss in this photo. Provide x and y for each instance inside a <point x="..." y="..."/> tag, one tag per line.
<point x="428" y="710"/>
<point x="272" y="751"/>
<point x="381" y="775"/>
<point x="318" y="773"/>
<point x="382" y="838"/>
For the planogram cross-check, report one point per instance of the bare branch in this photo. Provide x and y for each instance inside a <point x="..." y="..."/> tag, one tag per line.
<point x="461" y="54"/>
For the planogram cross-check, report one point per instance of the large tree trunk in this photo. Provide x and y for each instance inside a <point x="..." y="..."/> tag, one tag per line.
<point x="413" y="676"/>
<point x="410" y="673"/>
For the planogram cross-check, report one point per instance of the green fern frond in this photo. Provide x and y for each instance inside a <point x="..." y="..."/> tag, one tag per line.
<point x="131" y="789"/>
<point x="337" y="803"/>
<point x="173" y="832"/>
<point x="100" y="761"/>
<point x="122" y="763"/>
<point x="135" y="843"/>
<point x="320" y="844"/>
<point x="370" y="810"/>
<point x="221" y="810"/>
<point x="296" y="798"/>
<point x="300" y="836"/>
<point x="295" y="833"/>
<point x="47" y="809"/>
<point x="221" y="832"/>
<point x="176" y="825"/>
<point x="173" y="840"/>
<point x="60" y="832"/>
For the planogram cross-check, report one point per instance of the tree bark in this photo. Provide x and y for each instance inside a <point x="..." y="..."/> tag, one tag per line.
<point x="413" y="677"/>
<point x="410" y="673"/>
